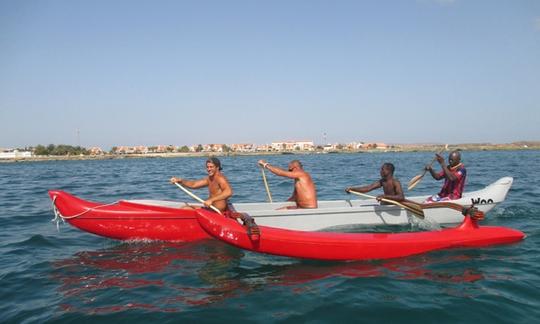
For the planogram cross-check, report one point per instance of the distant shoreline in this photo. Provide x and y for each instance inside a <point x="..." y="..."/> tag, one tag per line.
<point x="222" y="154"/>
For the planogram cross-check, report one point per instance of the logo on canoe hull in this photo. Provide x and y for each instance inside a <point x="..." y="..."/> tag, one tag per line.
<point x="481" y="201"/>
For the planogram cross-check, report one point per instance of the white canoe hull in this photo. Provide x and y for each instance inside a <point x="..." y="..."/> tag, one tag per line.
<point x="336" y="214"/>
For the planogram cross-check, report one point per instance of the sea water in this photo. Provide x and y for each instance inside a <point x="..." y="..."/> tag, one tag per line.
<point x="66" y="275"/>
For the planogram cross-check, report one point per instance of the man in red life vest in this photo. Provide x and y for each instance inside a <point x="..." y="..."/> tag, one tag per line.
<point x="454" y="175"/>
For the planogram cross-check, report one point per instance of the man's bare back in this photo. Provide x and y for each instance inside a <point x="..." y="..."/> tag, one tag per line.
<point x="304" y="193"/>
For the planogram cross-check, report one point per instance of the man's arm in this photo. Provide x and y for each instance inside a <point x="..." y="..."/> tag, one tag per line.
<point x="437" y="176"/>
<point x="284" y="173"/>
<point x="193" y="184"/>
<point x="448" y="174"/>
<point x="364" y="189"/>
<point x="281" y="172"/>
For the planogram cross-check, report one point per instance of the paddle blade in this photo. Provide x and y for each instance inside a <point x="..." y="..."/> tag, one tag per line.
<point x="415" y="181"/>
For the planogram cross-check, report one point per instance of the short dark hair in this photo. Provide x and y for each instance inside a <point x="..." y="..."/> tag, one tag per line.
<point x="389" y="166"/>
<point x="456" y="153"/>
<point x="215" y="161"/>
<point x="297" y="162"/>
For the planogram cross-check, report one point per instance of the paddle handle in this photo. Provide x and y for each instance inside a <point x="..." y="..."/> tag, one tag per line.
<point x="362" y="194"/>
<point x="416" y="179"/>
<point x="192" y="195"/>
<point x="416" y="212"/>
<point x="425" y="171"/>
<point x="373" y="197"/>
<point x="435" y="158"/>
<point x="266" y="185"/>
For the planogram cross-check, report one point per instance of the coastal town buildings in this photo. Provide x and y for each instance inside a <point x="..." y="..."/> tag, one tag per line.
<point x="242" y="147"/>
<point x="293" y="146"/>
<point x="141" y="149"/>
<point x="217" y="148"/>
<point x="96" y="151"/>
<point x="332" y="147"/>
<point x="51" y="151"/>
<point x="263" y="148"/>
<point x="14" y="154"/>
<point x="379" y="146"/>
<point x="354" y="146"/>
<point x="163" y="148"/>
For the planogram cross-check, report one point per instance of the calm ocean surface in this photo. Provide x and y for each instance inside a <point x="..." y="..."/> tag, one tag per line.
<point x="71" y="276"/>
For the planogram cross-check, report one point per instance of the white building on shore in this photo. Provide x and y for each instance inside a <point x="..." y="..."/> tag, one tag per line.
<point x="14" y="154"/>
<point x="293" y="145"/>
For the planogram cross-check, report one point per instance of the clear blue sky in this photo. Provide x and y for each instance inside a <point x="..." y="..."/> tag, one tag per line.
<point x="189" y="72"/>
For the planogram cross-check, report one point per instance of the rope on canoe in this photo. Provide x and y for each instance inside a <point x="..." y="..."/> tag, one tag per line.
<point x="58" y="216"/>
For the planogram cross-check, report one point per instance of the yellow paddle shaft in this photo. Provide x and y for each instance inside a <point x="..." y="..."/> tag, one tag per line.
<point x="192" y="195"/>
<point x="266" y="185"/>
<point x="416" y="212"/>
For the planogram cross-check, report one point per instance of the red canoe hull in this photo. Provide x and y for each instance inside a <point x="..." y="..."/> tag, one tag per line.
<point x="354" y="246"/>
<point x="129" y="221"/>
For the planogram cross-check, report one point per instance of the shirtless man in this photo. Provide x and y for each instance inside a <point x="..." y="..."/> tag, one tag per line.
<point x="304" y="193"/>
<point x="454" y="175"/>
<point x="219" y="188"/>
<point x="391" y="186"/>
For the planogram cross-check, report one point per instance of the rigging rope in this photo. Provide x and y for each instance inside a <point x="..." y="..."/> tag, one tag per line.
<point x="58" y="216"/>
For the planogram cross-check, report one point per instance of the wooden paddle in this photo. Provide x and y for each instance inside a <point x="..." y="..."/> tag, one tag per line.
<point x="417" y="210"/>
<point x="266" y="184"/>
<point x="192" y="195"/>
<point x="472" y="211"/>
<point x="416" y="180"/>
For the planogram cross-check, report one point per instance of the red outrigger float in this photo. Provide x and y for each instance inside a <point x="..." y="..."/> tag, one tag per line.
<point x="353" y="246"/>
<point x="128" y="220"/>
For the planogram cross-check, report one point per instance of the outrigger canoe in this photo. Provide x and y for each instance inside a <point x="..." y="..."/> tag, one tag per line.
<point x="353" y="246"/>
<point x="167" y="221"/>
